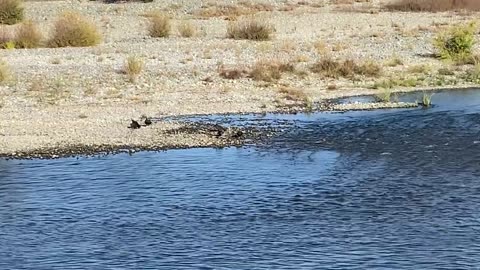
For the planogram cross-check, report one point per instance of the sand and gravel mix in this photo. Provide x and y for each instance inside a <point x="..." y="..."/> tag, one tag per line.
<point x="64" y="97"/>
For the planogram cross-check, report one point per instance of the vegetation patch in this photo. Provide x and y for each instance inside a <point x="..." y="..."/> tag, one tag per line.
<point x="160" y="25"/>
<point x="231" y="73"/>
<point x="269" y="71"/>
<point x="4" y="71"/>
<point x="73" y="30"/>
<point x="28" y="36"/>
<point x="133" y="67"/>
<point x="250" y="28"/>
<point x="186" y="29"/>
<point x="11" y="11"/>
<point x="456" y="43"/>
<point x="331" y="68"/>
<point x="433" y="5"/>
<point x="231" y="11"/>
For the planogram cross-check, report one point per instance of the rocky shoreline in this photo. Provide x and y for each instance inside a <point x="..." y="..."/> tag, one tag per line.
<point x="187" y="134"/>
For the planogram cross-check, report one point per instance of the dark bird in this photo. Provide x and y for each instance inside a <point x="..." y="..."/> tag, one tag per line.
<point x="148" y="121"/>
<point x="217" y="130"/>
<point x="134" y="125"/>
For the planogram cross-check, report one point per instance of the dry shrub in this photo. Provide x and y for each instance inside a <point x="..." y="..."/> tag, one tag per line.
<point x="11" y="11"/>
<point x="27" y="35"/>
<point x="433" y="5"/>
<point x="231" y="11"/>
<point x="159" y="25"/>
<point x="269" y="71"/>
<point x="231" y="73"/>
<point x="73" y="30"/>
<point x="293" y="94"/>
<point x="250" y="28"/>
<point x="4" y="71"/>
<point x="186" y="29"/>
<point x="6" y="36"/>
<point x="369" y="69"/>
<point x="133" y="67"/>
<point x="327" y="67"/>
<point x="331" y="68"/>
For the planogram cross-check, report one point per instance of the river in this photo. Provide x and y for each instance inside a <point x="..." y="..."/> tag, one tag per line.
<point x="386" y="189"/>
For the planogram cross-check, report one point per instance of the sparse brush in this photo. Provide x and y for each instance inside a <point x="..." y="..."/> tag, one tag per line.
<point x="6" y="36"/>
<point x="4" y="71"/>
<point x="293" y="94"/>
<point x="27" y="36"/>
<point x="250" y="28"/>
<point x="74" y="30"/>
<point x="133" y="67"/>
<point x="327" y="67"/>
<point x="369" y="69"/>
<point x="269" y="71"/>
<point x="11" y="11"/>
<point x="384" y="96"/>
<point x="186" y="29"/>
<point x="231" y="73"/>
<point x="393" y="62"/>
<point x="445" y="71"/>
<point x="419" y="69"/>
<point x="456" y="43"/>
<point x="472" y="75"/>
<point x="160" y="25"/>
<point x="433" y="5"/>
<point x="426" y="99"/>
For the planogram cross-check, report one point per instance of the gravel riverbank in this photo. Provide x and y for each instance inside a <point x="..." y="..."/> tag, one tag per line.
<point x="78" y="100"/>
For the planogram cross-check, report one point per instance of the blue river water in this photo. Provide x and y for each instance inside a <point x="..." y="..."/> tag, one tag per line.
<point x="391" y="189"/>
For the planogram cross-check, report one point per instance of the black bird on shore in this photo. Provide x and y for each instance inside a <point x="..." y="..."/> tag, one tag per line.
<point x="148" y="121"/>
<point x="134" y="125"/>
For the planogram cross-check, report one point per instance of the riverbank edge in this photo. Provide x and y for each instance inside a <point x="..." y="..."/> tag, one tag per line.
<point x="249" y="136"/>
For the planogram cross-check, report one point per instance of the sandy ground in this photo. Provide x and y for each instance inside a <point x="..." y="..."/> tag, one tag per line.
<point x="58" y="98"/>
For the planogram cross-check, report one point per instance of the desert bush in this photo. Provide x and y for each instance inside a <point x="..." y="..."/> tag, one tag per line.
<point x="186" y="29"/>
<point x="6" y="36"/>
<point x="327" y="67"/>
<point x="231" y="73"/>
<point x="74" y="30"/>
<point x="456" y="43"/>
<point x="133" y="67"/>
<point x="269" y="71"/>
<point x="159" y="25"/>
<point x="433" y="5"/>
<point x="11" y="11"/>
<point x="27" y="35"/>
<point x="347" y="69"/>
<point x="369" y="69"/>
<point x="250" y="28"/>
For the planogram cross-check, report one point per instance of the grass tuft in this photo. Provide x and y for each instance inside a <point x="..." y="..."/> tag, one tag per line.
<point x="73" y="30"/>
<point x="160" y="25"/>
<point x="11" y="11"/>
<point x="384" y="96"/>
<point x="186" y="29"/>
<point x="426" y="99"/>
<point x="133" y="67"/>
<point x="4" y="71"/>
<point x="251" y="29"/>
<point x="269" y="71"/>
<point x="28" y="36"/>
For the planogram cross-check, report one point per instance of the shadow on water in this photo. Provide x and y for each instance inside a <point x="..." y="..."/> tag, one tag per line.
<point x="394" y="189"/>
